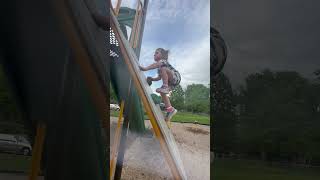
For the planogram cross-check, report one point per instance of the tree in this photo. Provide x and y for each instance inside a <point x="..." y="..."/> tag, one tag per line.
<point x="277" y="115"/>
<point x="156" y="98"/>
<point x="113" y="96"/>
<point x="177" y="98"/>
<point x="317" y="74"/>
<point x="223" y="111"/>
<point x="197" y="98"/>
<point x="10" y="116"/>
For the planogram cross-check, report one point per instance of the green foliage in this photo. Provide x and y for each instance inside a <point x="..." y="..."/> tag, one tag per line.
<point x="223" y="111"/>
<point x="156" y="98"/>
<point x="10" y="116"/>
<point x="183" y="117"/>
<point x="226" y="169"/>
<point x="197" y="98"/>
<point x="9" y="110"/>
<point x="278" y="115"/>
<point x="177" y="98"/>
<point x="114" y="113"/>
<point x="275" y="115"/>
<point x="113" y="96"/>
<point x="186" y="117"/>
<point x="15" y="163"/>
<point x="317" y="73"/>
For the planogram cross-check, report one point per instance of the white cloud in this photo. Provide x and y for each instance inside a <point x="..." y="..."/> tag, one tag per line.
<point x="162" y="9"/>
<point x="191" y="60"/>
<point x="125" y="3"/>
<point x="190" y="53"/>
<point x="199" y="17"/>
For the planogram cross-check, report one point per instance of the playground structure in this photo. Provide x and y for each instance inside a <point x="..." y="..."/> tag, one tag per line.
<point x="53" y="54"/>
<point x="128" y="53"/>
<point x="60" y="79"/>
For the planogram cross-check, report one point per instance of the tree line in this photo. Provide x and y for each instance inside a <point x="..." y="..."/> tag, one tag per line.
<point x="195" y="98"/>
<point x="10" y="117"/>
<point x="274" y="116"/>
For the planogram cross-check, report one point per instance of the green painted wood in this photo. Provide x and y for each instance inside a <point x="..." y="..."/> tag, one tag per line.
<point x="50" y="87"/>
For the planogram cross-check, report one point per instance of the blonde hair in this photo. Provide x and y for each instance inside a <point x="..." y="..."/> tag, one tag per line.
<point x="164" y="53"/>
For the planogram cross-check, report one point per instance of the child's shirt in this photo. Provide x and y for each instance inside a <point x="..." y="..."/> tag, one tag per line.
<point x="176" y="75"/>
<point x="165" y="63"/>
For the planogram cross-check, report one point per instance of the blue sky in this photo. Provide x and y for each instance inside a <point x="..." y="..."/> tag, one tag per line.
<point x="182" y="26"/>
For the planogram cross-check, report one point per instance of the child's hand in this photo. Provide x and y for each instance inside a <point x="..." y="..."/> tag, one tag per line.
<point x="142" y="68"/>
<point x="149" y="80"/>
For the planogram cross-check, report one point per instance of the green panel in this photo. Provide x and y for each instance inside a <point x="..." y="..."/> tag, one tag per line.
<point x="50" y="88"/>
<point x="75" y="146"/>
<point x="126" y="16"/>
<point x="120" y="77"/>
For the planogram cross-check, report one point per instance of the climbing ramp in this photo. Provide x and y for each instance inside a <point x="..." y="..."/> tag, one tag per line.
<point x="165" y="137"/>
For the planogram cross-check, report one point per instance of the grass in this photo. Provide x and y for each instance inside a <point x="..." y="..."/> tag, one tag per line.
<point x="114" y="113"/>
<point x="256" y="170"/>
<point x="183" y="117"/>
<point x="14" y="163"/>
<point x="187" y="117"/>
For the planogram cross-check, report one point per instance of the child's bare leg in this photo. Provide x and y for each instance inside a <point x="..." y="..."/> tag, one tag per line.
<point x="171" y="111"/>
<point x="166" y="75"/>
<point x="166" y="100"/>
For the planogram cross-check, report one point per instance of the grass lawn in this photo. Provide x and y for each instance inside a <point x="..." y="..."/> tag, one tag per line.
<point x="12" y="162"/>
<point x="183" y="117"/>
<point x="254" y="170"/>
<point x="187" y="117"/>
<point x="114" y="113"/>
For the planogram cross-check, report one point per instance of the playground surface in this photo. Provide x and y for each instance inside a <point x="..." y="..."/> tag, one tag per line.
<point x="144" y="160"/>
<point x="16" y="176"/>
<point x="229" y="169"/>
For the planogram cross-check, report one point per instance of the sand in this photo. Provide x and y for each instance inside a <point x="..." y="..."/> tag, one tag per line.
<point x="144" y="160"/>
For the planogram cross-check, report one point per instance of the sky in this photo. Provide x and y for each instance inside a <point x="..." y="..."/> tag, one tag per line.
<point x="182" y="27"/>
<point x="279" y="35"/>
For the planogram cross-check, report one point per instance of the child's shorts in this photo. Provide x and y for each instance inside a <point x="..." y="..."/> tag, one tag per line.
<point x="175" y="81"/>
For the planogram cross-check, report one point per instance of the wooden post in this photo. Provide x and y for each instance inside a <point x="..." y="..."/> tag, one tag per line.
<point x="37" y="152"/>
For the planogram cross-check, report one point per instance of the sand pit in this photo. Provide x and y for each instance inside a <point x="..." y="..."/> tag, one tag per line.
<point x="144" y="160"/>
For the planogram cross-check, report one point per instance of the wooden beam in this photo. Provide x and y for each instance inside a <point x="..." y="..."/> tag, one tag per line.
<point x="37" y="152"/>
<point x="116" y="142"/>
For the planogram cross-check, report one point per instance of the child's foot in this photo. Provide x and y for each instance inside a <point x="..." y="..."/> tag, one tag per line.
<point x="168" y="124"/>
<point x="164" y="89"/>
<point x="171" y="111"/>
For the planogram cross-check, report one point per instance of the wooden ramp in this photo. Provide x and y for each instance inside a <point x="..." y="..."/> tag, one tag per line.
<point x="162" y="132"/>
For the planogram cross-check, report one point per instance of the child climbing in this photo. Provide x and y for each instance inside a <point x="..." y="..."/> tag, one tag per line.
<point x="170" y="79"/>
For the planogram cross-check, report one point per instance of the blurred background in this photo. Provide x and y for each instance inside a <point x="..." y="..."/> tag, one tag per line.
<point x="266" y="101"/>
